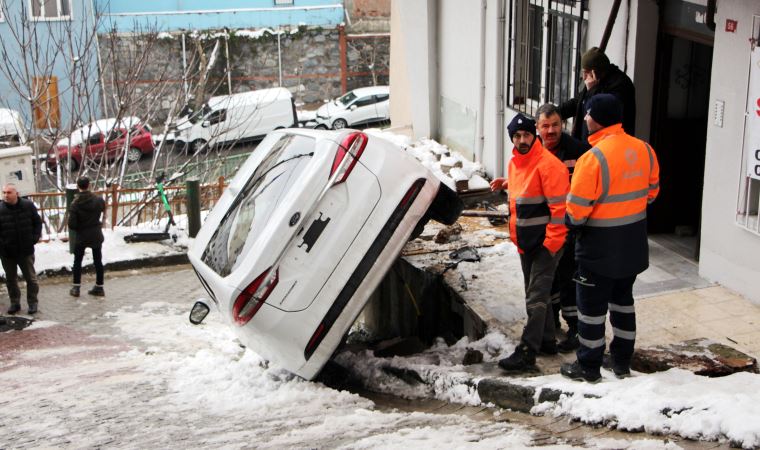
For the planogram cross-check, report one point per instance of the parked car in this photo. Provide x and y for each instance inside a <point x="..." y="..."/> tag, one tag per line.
<point x="12" y="129"/>
<point x="236" y="118"/>
<point x="303" y="235"/>
<point x="103" y="139"/>
<point x="358" y="107"/>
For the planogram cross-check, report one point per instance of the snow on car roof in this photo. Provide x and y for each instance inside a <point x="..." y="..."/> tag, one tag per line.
<point x="372" y="90"/>
<point x="99" y="126"/>
<point x="250" y="97"/>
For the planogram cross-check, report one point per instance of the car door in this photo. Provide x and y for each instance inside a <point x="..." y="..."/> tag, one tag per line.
<point x="115" y="143"/>
<point x="362" y="110"/>
<point x="382" y="103"/>
<point x="94" y="147"/>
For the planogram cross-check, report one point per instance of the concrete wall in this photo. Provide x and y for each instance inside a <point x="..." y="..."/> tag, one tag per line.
<point x="175" y="15"/>
<point x="729" y="254"/>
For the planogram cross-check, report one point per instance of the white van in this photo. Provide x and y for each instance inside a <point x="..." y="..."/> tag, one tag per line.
<point x="237" y="117"/>
<point x="12" y="130"/>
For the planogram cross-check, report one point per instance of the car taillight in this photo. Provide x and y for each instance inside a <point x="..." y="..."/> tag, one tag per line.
<point x="250" y="300"/>
<point x="352" y="147"/>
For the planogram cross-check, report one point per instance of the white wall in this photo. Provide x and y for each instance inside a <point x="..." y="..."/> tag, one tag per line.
<point x="413" y="68"/>
<point x="729" y="255"/>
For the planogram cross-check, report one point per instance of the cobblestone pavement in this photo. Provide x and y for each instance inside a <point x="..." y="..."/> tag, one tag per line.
<point x="117" y="372"/>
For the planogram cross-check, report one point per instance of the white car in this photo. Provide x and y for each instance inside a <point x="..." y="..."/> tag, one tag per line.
<point x="303" y="235"/>
<point x="12" y="129"/>
<point x="358" y="107"/>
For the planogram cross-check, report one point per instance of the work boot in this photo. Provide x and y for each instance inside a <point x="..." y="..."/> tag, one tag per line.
<point x="97" y="291"/>
<point x="577" y="372"/>
<point x="522" y="360"/>
<point x="571" y="343"/>
<point x="32" y="308"/>
<point x="548" y="348"/>
<point x="620" y="370"/>
<point x="15" y="307"/>
<point x="74" y="292"/>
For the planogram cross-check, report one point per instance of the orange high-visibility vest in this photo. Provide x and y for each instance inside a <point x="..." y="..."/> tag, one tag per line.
<point x="538" y="186"/>
<point x="612" y="185"/>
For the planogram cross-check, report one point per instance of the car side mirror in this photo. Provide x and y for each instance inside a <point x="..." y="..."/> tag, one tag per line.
<point x="353" y="107"/>
<point x="206" y="124"/>
<point x="199" y="312"/>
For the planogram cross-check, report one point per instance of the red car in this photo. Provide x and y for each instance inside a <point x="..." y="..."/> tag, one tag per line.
<point x="103" y="140"/>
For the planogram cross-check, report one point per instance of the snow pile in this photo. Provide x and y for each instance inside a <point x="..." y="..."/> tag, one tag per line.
<point x="676" y="401"/>
<point x="448" y="166"/>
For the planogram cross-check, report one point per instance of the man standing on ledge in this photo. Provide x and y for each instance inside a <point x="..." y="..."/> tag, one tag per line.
<point x="568" y="150"/>
<point x="537" y="186"/>
<point x="607" y="208"/>
<point x="20" y="229"/>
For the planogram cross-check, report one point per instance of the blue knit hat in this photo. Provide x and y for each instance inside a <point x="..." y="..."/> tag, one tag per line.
<point x="605" y="109"/>
<point x="521" y="123"/>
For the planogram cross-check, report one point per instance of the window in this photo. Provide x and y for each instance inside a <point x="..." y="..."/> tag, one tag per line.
<point x="283" y="2"/>
<point x="382" y="97"/>
<point x="546" y="39"/>
<point x="748" y="204"/>
<point x="365" y="101"/>
<point x="50" y="9"/>
<point x="217" y="116"/>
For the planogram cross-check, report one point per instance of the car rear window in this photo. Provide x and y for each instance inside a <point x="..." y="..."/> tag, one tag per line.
<point x="277" y="173"/>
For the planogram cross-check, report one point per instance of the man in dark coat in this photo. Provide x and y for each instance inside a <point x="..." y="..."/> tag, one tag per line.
<point x="20" y="229"/>
<point x="84" y="219"/>
<point x="599" y="76"/>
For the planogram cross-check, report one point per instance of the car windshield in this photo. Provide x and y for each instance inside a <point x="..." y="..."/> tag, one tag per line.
<point x="275" y="175"/>
<point x="200" y="114"/>
<point x="348" y="98"/>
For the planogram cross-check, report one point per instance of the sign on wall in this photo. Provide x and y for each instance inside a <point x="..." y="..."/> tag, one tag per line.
<point x="752" y="126"/>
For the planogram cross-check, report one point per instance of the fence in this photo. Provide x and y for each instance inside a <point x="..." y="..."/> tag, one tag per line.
<point x="126" y="206"/>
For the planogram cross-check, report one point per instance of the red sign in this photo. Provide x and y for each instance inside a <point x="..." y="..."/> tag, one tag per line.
<point x="731" y="25"/>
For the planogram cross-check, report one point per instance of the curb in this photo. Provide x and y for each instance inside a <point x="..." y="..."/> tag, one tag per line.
<point x="172" y="259"/>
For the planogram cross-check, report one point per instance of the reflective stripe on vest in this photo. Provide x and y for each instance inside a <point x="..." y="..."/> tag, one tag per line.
<point x="542" y="220"/>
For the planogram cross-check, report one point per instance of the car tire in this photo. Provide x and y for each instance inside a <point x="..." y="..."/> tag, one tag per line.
<point x="339" y="124"/>
<point x="446" y="207"/>
<point x="133" y="154"/>
<point x="197" y="144"/>
<point x="73" y="165"/>
<point x="320" y="127"/>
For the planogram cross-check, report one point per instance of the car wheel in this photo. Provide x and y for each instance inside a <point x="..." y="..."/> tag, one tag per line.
<point x="197" y="144"/>
<point x="73" y="165"/>
<point x="320" y="127"/>
<point x="339" y="124"/>
<point x="446" y="207"/>
<point x="133" y="154"/>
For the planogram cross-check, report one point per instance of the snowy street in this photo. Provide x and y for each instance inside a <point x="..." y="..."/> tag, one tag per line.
<point x="130" y="371"/>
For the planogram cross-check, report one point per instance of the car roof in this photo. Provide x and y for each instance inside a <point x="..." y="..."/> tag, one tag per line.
<point x="103" y="125"/>
<point x="372" y="90"/>
<point x="250" y="97"/>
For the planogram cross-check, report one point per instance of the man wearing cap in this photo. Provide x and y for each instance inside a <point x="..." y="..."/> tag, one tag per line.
<point x="607" y="209"/>
<point x="537" y="186"/>
<point x="600" y="76"/>
<point x="568" y="150"/>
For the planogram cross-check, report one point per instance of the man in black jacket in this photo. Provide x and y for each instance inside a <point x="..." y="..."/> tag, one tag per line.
<point x="599" y="76"/>
<point x="84" y="219"/>
<point x="20" y="229"/>
<point x="568" y="150"/>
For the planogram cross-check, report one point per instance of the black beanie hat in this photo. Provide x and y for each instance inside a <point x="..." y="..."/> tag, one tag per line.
<point x="595" y="59"/>
<point x="605" y="109"/>
<point x="521" y="123"/>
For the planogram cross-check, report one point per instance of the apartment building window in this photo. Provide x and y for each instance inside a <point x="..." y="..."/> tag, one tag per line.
<point x="546" y="38"/>
<point x="748" y="205"/>
<point x="283" y="2"/>
<point x="50" y="9"/>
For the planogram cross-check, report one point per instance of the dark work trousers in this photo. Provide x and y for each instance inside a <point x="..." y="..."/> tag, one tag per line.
<point x="563" y="288"/>
<point x="538" y="268"/>
<point x="595" y="293"/>
<point x="26" y="264"/>
<point x="97" y="258"/>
